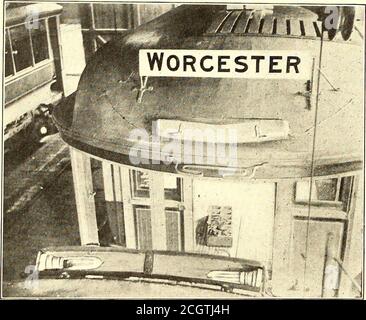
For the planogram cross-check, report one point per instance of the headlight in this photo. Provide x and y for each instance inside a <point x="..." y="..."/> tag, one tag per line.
<point x="47" y="261"/>
<point x="251" y="278"/>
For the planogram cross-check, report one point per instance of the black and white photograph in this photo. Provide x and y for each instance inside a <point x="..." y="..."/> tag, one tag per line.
<point x="167" y="150"/>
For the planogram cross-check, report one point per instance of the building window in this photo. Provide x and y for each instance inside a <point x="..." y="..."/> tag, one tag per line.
<point x="140" y="184"/>
<point x="131" y="205"/>
<point x="345" y="192"/>
<point x="112" y="16"/>
<point x="325" y="191"/>
<point x="172" y="188"/>
<point x="133" y="208"/>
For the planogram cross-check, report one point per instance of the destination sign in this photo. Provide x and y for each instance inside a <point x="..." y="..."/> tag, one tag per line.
<point x="251" y="64"/>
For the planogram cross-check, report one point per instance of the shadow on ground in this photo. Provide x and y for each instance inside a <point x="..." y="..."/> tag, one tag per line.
<point x="51" y="220"/>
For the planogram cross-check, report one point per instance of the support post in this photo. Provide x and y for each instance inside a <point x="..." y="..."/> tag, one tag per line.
<point x="85" y="205"/>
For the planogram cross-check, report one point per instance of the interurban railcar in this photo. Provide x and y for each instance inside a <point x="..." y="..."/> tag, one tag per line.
<point x="293" y="204"/>
<point x="33" y="70"/>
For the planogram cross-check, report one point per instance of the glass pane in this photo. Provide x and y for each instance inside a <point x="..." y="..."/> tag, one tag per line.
<point x="20" y="42"/>
<point x="345" y="193"/>
<point x="172" y="188"/>
<point x="326" y="189"/>
<point x="39" y="41"/>
<point x="140" y="184"/>
<point x="8" y="61"/>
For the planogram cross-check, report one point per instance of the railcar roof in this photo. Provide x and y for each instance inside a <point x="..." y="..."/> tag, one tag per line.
<point x="105" y="109"/>
<point x="283" y="21"/>
<point x="19" y="14"/>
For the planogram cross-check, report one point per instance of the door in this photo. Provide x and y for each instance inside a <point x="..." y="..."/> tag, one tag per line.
<point x="318" y="233"/>
<point x="143" y="228"/>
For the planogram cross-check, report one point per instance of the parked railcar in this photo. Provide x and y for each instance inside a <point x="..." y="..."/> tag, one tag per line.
<point x="289" y="203"/>
<point x="33" y="70"/>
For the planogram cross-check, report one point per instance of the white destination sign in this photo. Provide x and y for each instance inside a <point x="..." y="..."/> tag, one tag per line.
<point x="250" y="64"/>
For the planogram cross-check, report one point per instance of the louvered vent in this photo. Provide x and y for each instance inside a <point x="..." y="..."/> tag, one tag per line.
<point x="245" y="22"/>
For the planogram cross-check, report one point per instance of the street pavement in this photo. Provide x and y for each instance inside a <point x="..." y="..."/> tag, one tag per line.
<point x="39" y="205"/>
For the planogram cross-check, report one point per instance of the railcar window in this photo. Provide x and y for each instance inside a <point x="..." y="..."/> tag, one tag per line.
<point x="21" y="45"/>
<point x="9" y="70"/>
<point x="39" y="42"/>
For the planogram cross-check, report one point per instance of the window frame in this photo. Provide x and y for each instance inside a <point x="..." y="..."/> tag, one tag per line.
<point x="7" y="37"/>
<point x="49" y="47"/>
<point x="17" y="74"/>
<point x="338" y="204"/>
